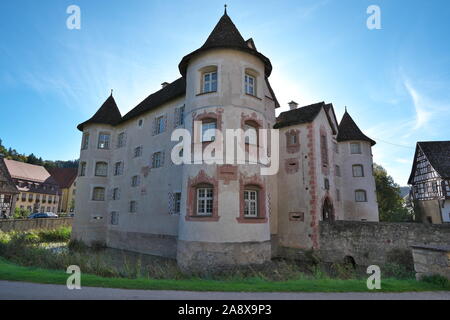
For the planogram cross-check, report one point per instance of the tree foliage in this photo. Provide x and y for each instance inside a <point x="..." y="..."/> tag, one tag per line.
<point x="13" y="154"/>
<point x="390" y="203"/>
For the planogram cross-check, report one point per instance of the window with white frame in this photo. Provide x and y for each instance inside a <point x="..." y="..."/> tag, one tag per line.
<point x="157" y="160"/>
<point x="179" y="116"/>
<point x="85" y="141"/>
<point x="205" y="197"/>
<point x="160" y="124"/>
<point x="103" y="140"/>
<point x="209" y="127"/>
<point x="210" y="81"/>
<point x="82" y="169"/>
<point x="118" y="168"/>
<point x="135" y="181"/>
<point x="251" y="203"/>
<point x="98" y="194"/>
<point x="101" y="169"/>
<point x="114" y="218"/>
<point x="250" y="84"/>
<point x="121" y="140"/>
<point x="137" y="152"/>
<point x="360" y="196"/>
<point x="177" y="202"/>
<point x="358" y="170"/>
<point x="133" y="206"/>
<point x="355" y="148"/>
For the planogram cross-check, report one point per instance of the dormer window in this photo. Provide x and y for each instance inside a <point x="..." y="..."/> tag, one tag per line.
<point x="209" y="79"/>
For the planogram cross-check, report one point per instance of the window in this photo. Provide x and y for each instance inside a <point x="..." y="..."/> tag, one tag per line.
<point x="210" y="82"/>
<point x="360" y="196"/>
<point x="324" y="149"/>
<point x="179" y="116"/>
<point x="98" y="194"/>
<point x="50" y="199"/>
<point x="85" y="141"/>
<point x="121" y="140"/>
<point x="157" y="159"/>
<point x="160" y="124"/>
<point x="209" y="130"/>
<point x="338" y="195"/>
<point x="114" y="218"/>
<point x="133" y="206"/>
<point x="292" y="139"/>
<point x="24" y="196"/>
<point x="250" y="85"/>
<point x="30" y="197"/>
<point x="140" y="123"/>
<point x="326" y="183"/>
<point x="355" y="148"/>
<point x="338" y="171"/>
<point x="44" y="198"/>
<point x="250" y="203"/>
<point x="138" y="152"/>
<point x="135" y="181"/>
<point x="358" y="170"/>
<point x="115" y="194"/>
<point x="204" y="201"/>
<point x="101" y="169"/>
<point x="103" y="140"/>
<point x="177" y="202"/>
<point x="82" y="169"/>
<point x="118" y="168"/>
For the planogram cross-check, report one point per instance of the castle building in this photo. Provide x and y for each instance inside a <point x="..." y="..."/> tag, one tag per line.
<point x="430" y="181"/>
<point x="132" y="195"/>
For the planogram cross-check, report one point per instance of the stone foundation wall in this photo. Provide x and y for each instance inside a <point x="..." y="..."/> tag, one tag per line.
<point x="371" y="242"/>
<point x="154" y="244"/>
<point x="200" y="256"/>
<point x="430" y="260"/>
<point x="7" y="225"/>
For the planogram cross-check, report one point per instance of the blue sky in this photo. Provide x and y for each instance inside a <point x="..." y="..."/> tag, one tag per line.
<point x="394" y="81"/>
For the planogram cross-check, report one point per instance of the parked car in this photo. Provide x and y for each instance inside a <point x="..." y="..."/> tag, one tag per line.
<point x="42" y="215"/>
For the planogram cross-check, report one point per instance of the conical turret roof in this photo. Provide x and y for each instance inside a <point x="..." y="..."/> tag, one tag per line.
<point x="226" y="35"/>
<point x="348" y="130"/>
<point x="108" y="113"/>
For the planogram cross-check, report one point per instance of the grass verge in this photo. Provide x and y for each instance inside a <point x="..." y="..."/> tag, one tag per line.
<point x="13" y="272"/>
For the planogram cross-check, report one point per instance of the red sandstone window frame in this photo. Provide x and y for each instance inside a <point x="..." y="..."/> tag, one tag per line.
<point x="292" y="147"/>
<point x="252" y="184"/>
<point x="202" y="180"/>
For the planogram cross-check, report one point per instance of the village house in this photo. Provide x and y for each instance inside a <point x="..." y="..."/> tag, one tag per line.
<point x="66" y="180"/>
<point x="38" y="190"/>
<point x="430" y="181"/>
<point x="130" y="195"/>
<point x="8" y="191"/>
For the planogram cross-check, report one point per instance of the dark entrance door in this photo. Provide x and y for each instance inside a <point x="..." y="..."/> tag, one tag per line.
<point x="327" y="210"/>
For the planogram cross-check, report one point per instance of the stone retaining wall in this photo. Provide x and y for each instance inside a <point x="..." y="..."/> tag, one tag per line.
<point x="7" y="225"/>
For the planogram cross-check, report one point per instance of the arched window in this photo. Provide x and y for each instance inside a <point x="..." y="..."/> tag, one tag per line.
<point x="98" y="194"/>
<point x="360" y="196"/>
<point x="251" y="132"/>
<point x="358" y="170"/>
<point x="101" y="169"/>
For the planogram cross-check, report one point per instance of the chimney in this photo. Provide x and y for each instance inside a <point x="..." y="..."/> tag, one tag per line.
<point x="164" y="84"/>
<point x="293" y="105"/>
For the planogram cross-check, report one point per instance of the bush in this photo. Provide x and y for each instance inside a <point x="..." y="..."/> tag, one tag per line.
<point x="402" y="257"/>
<point x="437" y="280"/>
<point x="57" y="235"/>
<point x="393" y="270"/>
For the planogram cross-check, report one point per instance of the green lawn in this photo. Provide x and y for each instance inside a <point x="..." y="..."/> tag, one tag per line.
<point x="13" y="272"/>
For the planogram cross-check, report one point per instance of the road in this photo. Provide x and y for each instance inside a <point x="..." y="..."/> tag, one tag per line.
<point x="10" y="290"/>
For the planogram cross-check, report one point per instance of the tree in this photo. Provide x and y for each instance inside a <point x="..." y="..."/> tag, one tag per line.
<point x="390" y="203"/>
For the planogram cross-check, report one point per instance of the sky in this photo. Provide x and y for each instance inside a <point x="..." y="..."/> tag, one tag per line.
<point x="394" y="81"/>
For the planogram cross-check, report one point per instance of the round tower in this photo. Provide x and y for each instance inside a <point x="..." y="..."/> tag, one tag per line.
<point x="225" y="205"/>
<point x="359" y="190"/>
<point x="91" y="215"/>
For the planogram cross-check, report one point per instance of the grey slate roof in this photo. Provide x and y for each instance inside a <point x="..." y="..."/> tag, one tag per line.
<point x="169" y="92"/>
<point x="108" y="113"/>
<point x="438" y="153"/>
<point x="226" y="35"/>
<point x="348" y="131"/>
<point x="303" y="115"/>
